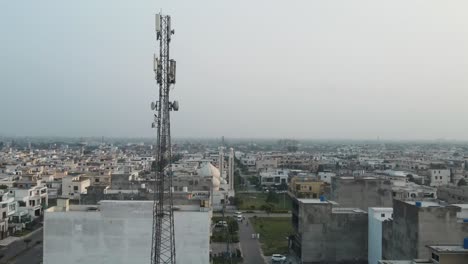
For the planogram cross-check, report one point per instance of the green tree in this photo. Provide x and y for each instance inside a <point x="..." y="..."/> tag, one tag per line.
<point x="272" y="197"/>
<point x="3" y="187"/>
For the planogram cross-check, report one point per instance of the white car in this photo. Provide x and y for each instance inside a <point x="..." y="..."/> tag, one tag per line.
<point x="278" y="258"/>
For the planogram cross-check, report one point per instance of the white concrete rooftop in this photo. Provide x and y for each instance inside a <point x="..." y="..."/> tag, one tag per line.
<point x="449" y="249"/>
<point x="343" y="210"/>
<point x="316" y="201"/>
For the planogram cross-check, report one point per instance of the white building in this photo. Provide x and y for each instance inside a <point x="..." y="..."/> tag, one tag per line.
<point x="376" y="216"/>
<point x="276" y="177"/>
<point x="439" y="177"/>
<point x="326" y="176"/>
<point x="31" y="201"/>
<point x="120" y="232"/>
<point x="74" y="186"/>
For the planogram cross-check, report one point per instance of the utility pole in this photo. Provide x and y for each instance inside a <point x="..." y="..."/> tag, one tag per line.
<point x="163" y="240"/>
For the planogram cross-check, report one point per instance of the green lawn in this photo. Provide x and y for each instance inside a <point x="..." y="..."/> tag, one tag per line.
<point x="258" y="199"/>
<point x="273" y="233"/>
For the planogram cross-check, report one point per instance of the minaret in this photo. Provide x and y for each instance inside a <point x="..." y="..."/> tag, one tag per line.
<point x="231" y="168"/>
<point x="221" y="161"/>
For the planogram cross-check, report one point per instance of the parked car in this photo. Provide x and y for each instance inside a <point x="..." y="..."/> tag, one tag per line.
<point x="221" y="224"/>
<point x="278" y="258"/>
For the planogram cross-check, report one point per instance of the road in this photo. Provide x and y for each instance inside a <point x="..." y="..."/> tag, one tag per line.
<point x="18" y="253"/>
<point x="256" y="213"/>
<point x="250" y="247"/>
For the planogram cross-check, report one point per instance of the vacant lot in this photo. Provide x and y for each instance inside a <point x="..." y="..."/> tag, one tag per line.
<point x="255" y="201"/>
<point x="274" y="232"/>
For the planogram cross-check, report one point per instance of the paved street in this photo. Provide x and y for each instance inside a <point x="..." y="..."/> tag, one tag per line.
<point x="33" y="255"/>
<point x="256" y="213"/>
<point x="250" y="247"/>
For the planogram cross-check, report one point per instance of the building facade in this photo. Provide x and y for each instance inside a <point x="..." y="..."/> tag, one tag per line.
<point x="120" y="232"/>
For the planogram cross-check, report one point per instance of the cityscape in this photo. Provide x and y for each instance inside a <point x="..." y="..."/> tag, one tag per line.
<point x="306" y="133"/>
<point x="90" y="199"/>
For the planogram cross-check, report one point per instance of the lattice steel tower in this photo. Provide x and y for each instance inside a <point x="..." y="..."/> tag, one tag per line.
<point x="163" y="243"/>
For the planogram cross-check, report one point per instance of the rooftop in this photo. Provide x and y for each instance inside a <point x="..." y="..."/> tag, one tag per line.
<point x="102" y="205"/>
<point x="435" y="203"/>
<point x="316" y="201"/>
<point x="449" y="249"/>
<point x="343" y="210"/>
<point x="415" y="261"/>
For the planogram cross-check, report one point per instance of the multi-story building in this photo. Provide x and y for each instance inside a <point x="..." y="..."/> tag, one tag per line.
<point x="4" y="208"/>
<point x="416" y="224"/>
<point x="31" y="201"/>
<point x="120" y="232"/>
<point x="74" y="186"/>
<point x="453" y="194"/>
<point x="439" y="177"/>
<point x="276" y="177"/>
<point x="306" y="187"/>
<point x="376" y="216"/>
<point x="326" y="176"/>
<point x="325" y="233"/>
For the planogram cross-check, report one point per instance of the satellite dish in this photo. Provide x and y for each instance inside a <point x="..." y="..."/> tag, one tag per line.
<point x="153" y="105"/>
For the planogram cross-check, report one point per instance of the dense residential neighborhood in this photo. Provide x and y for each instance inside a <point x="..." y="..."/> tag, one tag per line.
<point x="369" y="193"/>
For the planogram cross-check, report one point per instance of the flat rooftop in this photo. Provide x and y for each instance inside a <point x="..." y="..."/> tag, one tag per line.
<point x="427" y="203"/>
<point x="316" y="201"/>
<point x="381" y="209"/>
<point x="415" y="261"/>
<point x="343" y="210"/>
<point x="449" y="249"/>
<point x="105" y="204"/>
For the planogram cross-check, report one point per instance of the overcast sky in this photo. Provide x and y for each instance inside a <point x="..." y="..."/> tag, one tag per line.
<point x="299" y="69"/>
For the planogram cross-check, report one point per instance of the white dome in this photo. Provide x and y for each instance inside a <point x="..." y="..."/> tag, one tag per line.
<point x="216" y="184"/>
<point x="208" y="170"/>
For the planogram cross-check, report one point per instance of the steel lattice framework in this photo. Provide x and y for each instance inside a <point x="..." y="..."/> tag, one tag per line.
<point x="163" y="241"/>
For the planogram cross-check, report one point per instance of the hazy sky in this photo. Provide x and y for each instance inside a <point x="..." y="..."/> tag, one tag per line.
<point x="300" y="69"/>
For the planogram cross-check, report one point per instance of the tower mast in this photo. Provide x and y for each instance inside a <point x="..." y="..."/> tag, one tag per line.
<point x="163" y="241"/>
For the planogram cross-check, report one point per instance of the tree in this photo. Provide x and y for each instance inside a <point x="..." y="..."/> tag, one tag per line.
<point x="272" y="197"/>
<point x="462" y="182"/>
<point x="3" y="187"/>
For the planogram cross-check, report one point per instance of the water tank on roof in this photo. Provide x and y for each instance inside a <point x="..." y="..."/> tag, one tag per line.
<point x="322" y="198"/>
<point x="418" y="204"/>
<point x="465" y="243"/>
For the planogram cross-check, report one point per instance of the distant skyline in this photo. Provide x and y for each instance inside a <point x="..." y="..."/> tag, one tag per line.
<point x="245" y="69"/>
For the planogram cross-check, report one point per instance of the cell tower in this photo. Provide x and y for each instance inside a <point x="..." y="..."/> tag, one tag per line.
<point x="163" y="243"/>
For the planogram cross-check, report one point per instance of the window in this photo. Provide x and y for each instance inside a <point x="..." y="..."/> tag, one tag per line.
<point x="96" y="180"/>
<point x="75" y="188"/>
<point x="382" y="215"/>
<point x="435" y="257"/>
